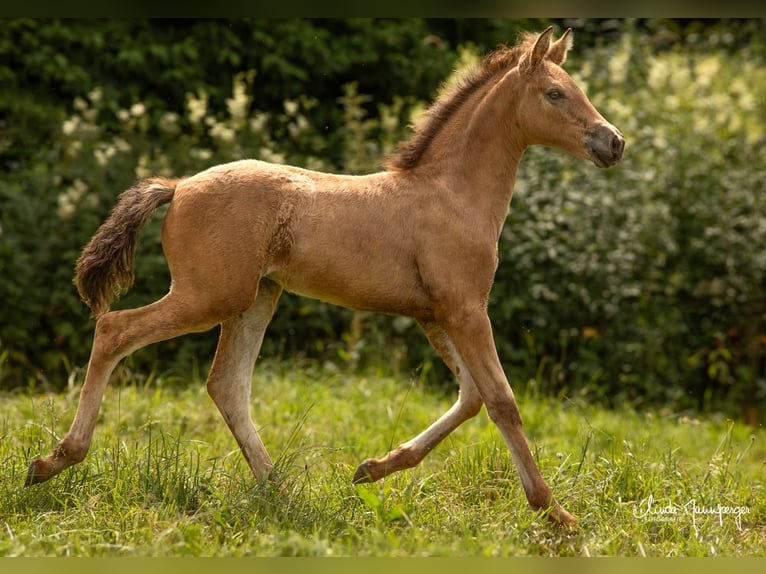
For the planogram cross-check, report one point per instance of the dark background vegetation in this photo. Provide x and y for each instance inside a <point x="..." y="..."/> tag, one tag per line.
<point x="642" y="284"/>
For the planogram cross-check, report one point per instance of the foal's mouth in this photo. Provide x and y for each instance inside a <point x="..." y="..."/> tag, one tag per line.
<point x="605" y="145"/>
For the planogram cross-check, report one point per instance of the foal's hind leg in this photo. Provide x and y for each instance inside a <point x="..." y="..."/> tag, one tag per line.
<point x="117" y="335"/>
<point x="468" y="405"/>
<point x="231" y="375"/>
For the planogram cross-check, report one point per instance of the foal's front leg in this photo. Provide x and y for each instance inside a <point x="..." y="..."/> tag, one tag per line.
<point x="472" y="336"/>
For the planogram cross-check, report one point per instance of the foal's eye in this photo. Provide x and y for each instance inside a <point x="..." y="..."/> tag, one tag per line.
<point x="555" y="94"/>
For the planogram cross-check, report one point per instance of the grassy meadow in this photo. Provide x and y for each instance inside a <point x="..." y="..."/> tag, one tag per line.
<point x="164" y="477"/>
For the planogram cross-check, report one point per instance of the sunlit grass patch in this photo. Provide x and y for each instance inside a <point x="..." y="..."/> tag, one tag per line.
<point x="165" y="478"/>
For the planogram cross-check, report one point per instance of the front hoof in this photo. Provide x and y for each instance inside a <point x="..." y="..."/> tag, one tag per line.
<point x="363" y="474"/>
<point x="39" y="471"/>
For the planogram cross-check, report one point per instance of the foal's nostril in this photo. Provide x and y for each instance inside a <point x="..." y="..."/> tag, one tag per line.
<point x="617" y="145"/>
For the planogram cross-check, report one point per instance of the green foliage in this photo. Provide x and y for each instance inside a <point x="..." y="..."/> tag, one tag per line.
<point x="643" y="283"/>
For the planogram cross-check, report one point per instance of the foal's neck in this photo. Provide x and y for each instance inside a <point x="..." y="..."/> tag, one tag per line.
<point x="483" y="164"/>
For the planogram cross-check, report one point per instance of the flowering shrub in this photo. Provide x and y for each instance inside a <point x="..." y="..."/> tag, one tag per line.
<point x="642" y="283"/>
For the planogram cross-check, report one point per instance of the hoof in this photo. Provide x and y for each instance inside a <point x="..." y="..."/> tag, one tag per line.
<point x="37" y="473"/>
<point x="562" y="518"/>
<point x="363" y="474"/>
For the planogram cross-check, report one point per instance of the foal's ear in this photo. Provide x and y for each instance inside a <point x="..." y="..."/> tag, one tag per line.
<point x="533" y="58"/>
<point x="558" y="51"/>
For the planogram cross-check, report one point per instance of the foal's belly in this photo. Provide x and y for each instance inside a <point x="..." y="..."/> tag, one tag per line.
<point x="356" y="283"/>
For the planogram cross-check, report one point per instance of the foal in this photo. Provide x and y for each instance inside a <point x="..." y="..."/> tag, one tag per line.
<point x="419" y="239"/>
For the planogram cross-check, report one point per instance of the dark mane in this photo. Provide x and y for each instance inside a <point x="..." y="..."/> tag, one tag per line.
<point x="410" y="152"/>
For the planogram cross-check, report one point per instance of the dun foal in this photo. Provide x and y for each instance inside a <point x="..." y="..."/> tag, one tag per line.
<point x="419" y="239"/>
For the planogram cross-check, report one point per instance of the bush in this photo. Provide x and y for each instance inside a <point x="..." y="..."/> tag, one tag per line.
<point x="643" y="283"/>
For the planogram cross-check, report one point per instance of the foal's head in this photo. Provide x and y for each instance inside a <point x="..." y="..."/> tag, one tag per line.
<point x="554" y="111"/>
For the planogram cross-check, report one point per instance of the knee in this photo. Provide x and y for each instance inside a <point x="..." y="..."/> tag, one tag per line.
<point x="503" y="411"/>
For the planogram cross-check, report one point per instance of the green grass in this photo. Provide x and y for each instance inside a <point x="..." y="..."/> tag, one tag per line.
<point x="164" y="477"/>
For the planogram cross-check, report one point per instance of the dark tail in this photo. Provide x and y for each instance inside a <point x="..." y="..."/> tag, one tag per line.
<point x="105" y="267"/>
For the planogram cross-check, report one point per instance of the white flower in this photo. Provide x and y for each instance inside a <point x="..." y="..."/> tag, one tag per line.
<point x="79" y="187"/>
<point x="121" y="145"/>
<point x="101" y="157"/>
<point x="268" y="155"/>
<point x="291" y="107"/>
<point x="258" y="123"/>
<point x="104" y="152"/>
<point x="65" y="207"/>
<point x="201" y="153"/>
<point x="70" y="198"/>
<point x="239" y="103"/>
<point x="95" y="95"/>
<point x="222" y="132"/>
<point x="137" y="110"/>
<point x="70" y="126"/>
<point x="143" y="169"/>
<point x="197" y="107"/>
<point x="658" y="74"/>
<point x="618" y="64"/>
<point x="169" y="122"/>
<point x="707" y="69"/>
<point x="300" y="125"/>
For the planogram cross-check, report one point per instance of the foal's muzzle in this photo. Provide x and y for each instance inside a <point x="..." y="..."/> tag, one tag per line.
<point x="605" y="145"/>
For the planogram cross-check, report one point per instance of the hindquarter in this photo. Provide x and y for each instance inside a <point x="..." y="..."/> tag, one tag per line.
<point x="223" y="228"/>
